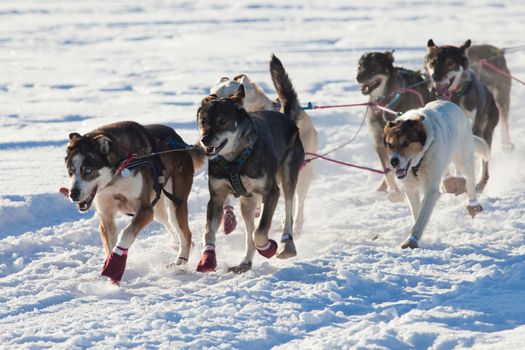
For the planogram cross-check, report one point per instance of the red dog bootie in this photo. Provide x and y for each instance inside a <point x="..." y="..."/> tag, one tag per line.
<point x="229" y="222"/>
<point x="115" y="265"/>
<point x="268" y="250"/>
<point x="208" y="262"/>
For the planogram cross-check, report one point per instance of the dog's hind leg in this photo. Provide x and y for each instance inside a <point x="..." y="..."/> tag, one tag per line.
<point x="248" y="207"/>
<point x="502" y="97"/>
<point x="303" y="184"/>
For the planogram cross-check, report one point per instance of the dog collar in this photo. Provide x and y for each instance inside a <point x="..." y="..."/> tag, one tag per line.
<point x="235" y="167"/>
<point x="463" y="89"/>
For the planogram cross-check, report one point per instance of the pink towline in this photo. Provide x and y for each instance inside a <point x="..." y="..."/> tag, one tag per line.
<point x="385" y="171"/>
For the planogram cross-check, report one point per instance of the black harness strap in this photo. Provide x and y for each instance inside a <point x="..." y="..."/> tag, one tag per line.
<point x="235" y="167"/>
<point x="157" y="168"/>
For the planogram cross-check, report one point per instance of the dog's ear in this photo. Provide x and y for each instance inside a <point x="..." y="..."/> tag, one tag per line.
<point x="465" y="45"/>
<point x="240" y="78"/>
<point x="430" y="44"/>
<point x="74" y="135"/>
<point x="104" y="143"/>
<point x="223" y="79"/>
<point x="238" y="96"/>
<point x="209" y="99"/>
<point x="390" y="56"/>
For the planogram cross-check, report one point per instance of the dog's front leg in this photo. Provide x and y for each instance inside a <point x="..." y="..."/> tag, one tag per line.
<point x="208" y="260"/>
<point x="412" y="194"/>
<point x="115" y="264"/>
<point x="248" y="207"/>
<point x="108" y="233"/>
<point x="267" y="247"/>
<point x="429" y="201"/>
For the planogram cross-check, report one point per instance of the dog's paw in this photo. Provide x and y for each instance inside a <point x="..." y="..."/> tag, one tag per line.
<point x="241" y="268"/>
<point x="383" y="186"/>
<point x="208" y="262"/>
<point x="455" y="185"/>
<point x="286" y="249"/>
<point x="229" y="222"/>
<point x="508" y="147"/>
<point x="474" y="210"/>
<point x="179" y="266"/>
<point x="411" y="242"/>
<point x="115" y="265"/>
<point x="268" y="250"/>
<point x="395" y="196"/>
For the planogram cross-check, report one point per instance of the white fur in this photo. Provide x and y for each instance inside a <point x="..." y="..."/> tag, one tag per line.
<point x="379" y="91"/>
<point x="449" y="140"/>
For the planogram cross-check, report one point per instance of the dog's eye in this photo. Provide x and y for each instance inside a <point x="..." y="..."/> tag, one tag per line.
<point x="389" y="145"/>
<point x="222" y="122"/>
<point x="70" y="171"/>
<point x="405" y="144"/>
<point x="88" y="171"/>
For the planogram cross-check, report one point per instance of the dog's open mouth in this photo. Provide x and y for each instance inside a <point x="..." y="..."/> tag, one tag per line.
<point x="86" y="204"/>
<point x="212" y="151"/>
<point x="443" y="89"/>
<point x="402" y="172"/>
<point x="367" y="88"/>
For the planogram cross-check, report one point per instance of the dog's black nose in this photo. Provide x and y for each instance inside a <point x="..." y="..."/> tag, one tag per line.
<point x="206" y="139"/>
<point x="394" y="161"/>
<point x="74" y="194"/>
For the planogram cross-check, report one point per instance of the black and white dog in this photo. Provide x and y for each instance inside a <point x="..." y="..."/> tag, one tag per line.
<point x="382" y="81"/>
<point x="156" y="188"/>
<point x="249" y="155"/>
<point x="452" y="79"/>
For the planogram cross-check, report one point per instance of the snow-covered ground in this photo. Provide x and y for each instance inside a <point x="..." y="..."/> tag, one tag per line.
<point x="74" y="65"/>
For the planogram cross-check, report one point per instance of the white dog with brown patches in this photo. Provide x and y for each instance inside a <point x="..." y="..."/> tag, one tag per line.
<point x="421" y="145"/>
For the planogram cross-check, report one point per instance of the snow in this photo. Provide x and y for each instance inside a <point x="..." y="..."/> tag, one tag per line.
<point x="72" y="66"/>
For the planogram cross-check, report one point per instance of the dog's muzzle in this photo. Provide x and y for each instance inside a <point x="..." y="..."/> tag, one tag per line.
<point x="212" y="150"/>
<point x="85" y="204"/>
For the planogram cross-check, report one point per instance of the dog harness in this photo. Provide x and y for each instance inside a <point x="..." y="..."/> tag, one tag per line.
<point x="155" y="164"/>
<point x="235" y="167"/>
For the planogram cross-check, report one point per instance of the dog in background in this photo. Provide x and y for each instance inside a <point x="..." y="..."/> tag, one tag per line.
<point x="249" y="155"/>
<point x="498" y="84"/>
<point x="257" y="100"/>
<point x="421" y="145"/>
<point x="452" y="79"/>
<point x="93" y="162"/>
<point x="381" y="81"/>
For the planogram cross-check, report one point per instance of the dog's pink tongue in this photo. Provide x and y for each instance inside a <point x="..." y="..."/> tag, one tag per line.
<point x="64" y="191"/>
<point x="115" y="265"/>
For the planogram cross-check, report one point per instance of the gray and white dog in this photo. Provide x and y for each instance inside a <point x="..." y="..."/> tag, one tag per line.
<point x="249" y="155"/>
<point x="452" y="79"/>
<point x="381" y="81"/>
<point x="498" y="84"/>
<point x="256" y="100"/>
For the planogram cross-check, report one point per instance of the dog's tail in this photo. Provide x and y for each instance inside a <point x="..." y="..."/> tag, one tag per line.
<point x="481" y="148"/>
<point x="283" y="85"/>
<point x="197" y="156"/>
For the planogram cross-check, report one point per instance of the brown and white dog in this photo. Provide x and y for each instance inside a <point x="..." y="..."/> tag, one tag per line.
<point x="256" y="100"/>
<point x="94" y="166"/>
<point x="421" y="145"/>
<point x="452" y="79"/>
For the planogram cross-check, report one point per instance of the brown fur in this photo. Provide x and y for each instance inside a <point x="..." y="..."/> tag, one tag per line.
<point x="405" y="137"/>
